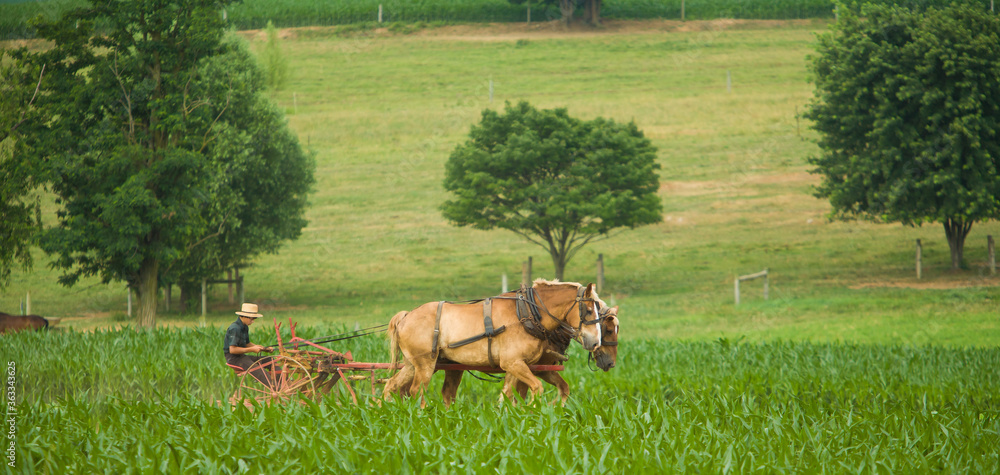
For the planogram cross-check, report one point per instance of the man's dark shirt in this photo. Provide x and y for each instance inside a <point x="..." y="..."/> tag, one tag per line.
<point x="238" y="334"/>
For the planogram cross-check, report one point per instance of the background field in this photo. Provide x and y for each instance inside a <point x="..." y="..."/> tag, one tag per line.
<point x="382" y="111"/>
<point x="852" y="366"/>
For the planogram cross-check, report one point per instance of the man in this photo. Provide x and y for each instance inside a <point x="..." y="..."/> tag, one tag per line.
<point x="236" y="345"/>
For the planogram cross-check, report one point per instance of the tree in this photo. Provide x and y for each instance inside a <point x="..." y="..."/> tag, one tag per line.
<point x="557" y="181"/>
<point x="274" y="59"/>
<point x="149" y="130"/>
<point x="907" y="105"/>
<point x="263" y="182"/>
<point x="19" y="213"/>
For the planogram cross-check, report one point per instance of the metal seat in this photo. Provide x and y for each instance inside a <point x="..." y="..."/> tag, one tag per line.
<point x="236" y="369"/>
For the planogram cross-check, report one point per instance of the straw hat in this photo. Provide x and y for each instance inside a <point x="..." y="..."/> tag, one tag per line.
<point x="249" y="310"/>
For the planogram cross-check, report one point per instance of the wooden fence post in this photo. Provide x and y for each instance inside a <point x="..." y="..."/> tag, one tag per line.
<point x="763" y="273"/>
<point x="503" y="284"/>
<point x="204" y="296"/>
<point x="600" y="273"/>
<point x="682" y="10"/>
<point x="166" y="296"/>
<point x="767" y="281"/>
<point x="526" y="272"/>
<point x="229" y="277"/>
<point x="27" y="303"/>
<point x="239" y="286"/>
<point x="991" y="250"/>
<point x="920" y="259"/>
<point x="129" y="290"/>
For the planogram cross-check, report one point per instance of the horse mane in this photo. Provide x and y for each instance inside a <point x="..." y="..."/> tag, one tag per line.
<point x="553" y="283"/>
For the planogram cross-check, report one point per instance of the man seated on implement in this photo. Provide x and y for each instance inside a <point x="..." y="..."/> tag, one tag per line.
<point x="237" y="343"/>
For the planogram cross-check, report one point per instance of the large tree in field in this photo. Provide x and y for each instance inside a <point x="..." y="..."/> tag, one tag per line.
<point x="149" y="131"/>
<point x="20" y="83"/>
<point x="558" y="181"/>
<point x="908" y="109"/>
<point x="264" y="176"/>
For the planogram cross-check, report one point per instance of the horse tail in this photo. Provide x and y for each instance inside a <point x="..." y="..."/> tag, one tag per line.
<point x="393" y="334"/>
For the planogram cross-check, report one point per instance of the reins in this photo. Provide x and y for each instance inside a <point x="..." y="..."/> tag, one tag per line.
<point x="342" y="336"/>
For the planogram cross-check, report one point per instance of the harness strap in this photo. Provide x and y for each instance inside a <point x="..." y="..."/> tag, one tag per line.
<point x="437" y="331"/>
<point x="488" y="326"/>
<point x="489" y="332"/>
<point x="583" y="308"/>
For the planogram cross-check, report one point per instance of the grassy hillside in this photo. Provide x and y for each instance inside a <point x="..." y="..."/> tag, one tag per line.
<point x="383" y="111"/>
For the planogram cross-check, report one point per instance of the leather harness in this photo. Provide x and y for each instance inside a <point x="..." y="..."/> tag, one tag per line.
<point x="529" y="316"/>
<point x="489" y="332"/>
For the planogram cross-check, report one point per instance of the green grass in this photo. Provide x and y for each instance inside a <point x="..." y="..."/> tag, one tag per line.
<point x="143" y="402"/>
<point x="382" y="114"/>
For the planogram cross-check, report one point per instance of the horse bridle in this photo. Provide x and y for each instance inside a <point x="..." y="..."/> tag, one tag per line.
<point x="583" y="311"/>
<point x="604" y="312"/>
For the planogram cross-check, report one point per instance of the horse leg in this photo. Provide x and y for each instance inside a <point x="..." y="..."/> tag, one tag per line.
<point x="422" y="376"/>
<point x="519" y="369"/>
<point x="553" y="378"/>
<point x="399" y="382"/>
<point x="452" y="378"/>
<point x="509" y="381"/>
<point x="522" y="389"/>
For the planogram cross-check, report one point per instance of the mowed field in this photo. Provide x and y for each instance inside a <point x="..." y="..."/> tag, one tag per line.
<point x="853" y="365"/>
<point x="383" y="110"/>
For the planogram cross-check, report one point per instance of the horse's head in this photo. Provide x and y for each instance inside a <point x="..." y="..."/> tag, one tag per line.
<point x="575" y="307"/>
<point x="606" y="354"/>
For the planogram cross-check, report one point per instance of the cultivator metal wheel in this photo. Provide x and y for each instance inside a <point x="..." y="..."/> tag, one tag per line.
<point x="276" y="379"/>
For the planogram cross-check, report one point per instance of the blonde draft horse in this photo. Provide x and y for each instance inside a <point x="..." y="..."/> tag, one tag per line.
<point x="605" y="356"/>
<point x="512" y="349"/>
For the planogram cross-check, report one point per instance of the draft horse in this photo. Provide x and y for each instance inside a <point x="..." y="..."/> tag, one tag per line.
<point x="510" y="331"/>
<point x="605" y="356"/>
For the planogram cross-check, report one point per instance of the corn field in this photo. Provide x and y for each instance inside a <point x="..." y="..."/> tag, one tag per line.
<point x="254" y="14"/>
<point x="138" y="402"/>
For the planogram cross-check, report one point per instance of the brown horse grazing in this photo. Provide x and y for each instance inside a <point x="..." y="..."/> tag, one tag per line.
<point x="519" y="324"/>
<point x="605" y="357"/>
<point x="15" y="323"/>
